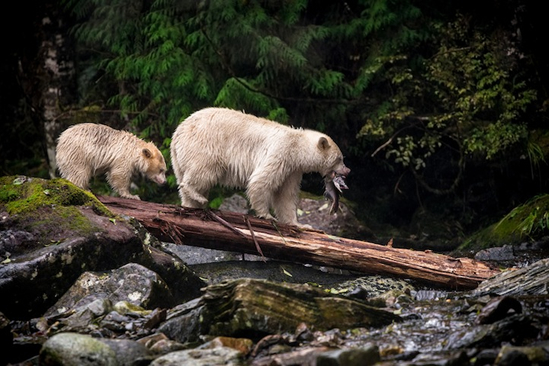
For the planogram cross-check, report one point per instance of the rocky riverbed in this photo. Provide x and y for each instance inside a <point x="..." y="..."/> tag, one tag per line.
<point x="79" y="286"/>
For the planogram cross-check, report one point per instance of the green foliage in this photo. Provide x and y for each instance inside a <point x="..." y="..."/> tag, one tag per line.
<point x="469" y="99"/>
<point x="162" y="60"/>
<point x="169" y="59"/>
<point x="419" y="90"/>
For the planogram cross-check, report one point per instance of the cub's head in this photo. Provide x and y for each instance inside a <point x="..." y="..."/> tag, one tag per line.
<point x="152" y="164"/>
<point x="333" y="160"/>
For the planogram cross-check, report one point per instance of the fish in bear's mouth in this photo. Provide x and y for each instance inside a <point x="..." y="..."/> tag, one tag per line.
<point x="334" y="184"/>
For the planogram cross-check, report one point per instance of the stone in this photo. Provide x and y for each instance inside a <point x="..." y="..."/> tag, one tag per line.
<point x="531" y="280"/>
<point x="69" y="349"/>
<point x="73" y="349"/>
<point x="364" y="356"/>
<point x="183" y="322"/>
<point x="514" y="355"/>
<point x="248" y="306"/>
<point x="52" y="231"/>
<point x="499" y="308"/>
<point x="243" y="345"/>
<point x="131" y="282"/>
<point x="201" y="357"/>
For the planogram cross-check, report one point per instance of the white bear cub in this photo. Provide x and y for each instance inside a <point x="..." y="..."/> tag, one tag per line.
<point x="226" y="147"/>
<point x="87" y="149"/>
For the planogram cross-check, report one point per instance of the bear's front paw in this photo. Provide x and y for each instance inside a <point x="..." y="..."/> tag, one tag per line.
<point x="131" y="196"/>
<point x="267" y="217"/>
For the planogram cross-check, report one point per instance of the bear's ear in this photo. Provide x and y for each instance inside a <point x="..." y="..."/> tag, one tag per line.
<point x="147" y="153"/>
<point x="323" y="143"/>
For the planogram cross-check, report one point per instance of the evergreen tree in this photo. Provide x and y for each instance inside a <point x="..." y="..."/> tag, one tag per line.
<point x="414" y="95"/>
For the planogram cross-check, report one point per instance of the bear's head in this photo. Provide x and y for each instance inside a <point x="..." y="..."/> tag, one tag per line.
<point x="153" y="165"/>
<point x="333" y="160"/>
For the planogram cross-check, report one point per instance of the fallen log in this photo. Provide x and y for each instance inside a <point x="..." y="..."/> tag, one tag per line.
<point x="247" y="234"/>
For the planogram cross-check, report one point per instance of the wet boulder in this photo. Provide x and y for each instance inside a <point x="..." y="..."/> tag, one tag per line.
<point x="531" y="280"/>
<point x="80" y="350"/>
<point x="201" y="357"/>
<point x="132" y="283"/>
<point x="51" y="232"/>
<point x="255" y="307"/>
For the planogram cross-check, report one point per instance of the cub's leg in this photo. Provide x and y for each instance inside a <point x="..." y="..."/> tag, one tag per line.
<point x="119" y="180"/>
<point x="285" y="200"/>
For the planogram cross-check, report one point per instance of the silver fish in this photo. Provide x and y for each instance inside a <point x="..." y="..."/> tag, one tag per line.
<point x="334" y="184"/>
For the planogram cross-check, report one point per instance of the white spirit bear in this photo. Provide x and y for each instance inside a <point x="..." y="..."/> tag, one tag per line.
<point x="86" y="150"/>
<point x="226" y="147"/>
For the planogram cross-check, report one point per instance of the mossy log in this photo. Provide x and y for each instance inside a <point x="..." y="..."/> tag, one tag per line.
<point x="246" y="234"/>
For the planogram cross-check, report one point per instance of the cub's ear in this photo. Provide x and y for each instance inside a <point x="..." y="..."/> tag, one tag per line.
<point x="147" y="153"/>
<point x="323" y="143"/>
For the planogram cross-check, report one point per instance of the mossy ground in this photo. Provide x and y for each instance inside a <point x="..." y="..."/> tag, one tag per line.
<point x="47" y="208"/>
<point x="527" y="222"/>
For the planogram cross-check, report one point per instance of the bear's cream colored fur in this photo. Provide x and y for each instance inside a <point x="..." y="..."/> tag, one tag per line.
<point x="86" y="150"/>
<point x="230" y="148"/>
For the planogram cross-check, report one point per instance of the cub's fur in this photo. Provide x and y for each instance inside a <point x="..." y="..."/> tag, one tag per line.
<point x="230" y="148"/>
<point x="86" y="150"/>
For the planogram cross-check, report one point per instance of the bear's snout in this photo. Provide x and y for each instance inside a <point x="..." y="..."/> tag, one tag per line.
<point x="159" y="179"/>
<point x="343" y="170"/>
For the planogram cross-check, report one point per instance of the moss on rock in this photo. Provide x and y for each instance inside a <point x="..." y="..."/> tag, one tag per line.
<point x="526" y="222"/>
<point x="48" y="208"/>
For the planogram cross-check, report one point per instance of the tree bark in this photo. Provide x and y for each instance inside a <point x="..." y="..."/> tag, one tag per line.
<point x="57" y="74"/>
<point x="246" y="234"/>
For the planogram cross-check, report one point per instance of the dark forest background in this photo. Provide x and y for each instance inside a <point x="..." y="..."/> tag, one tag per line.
<point x="440" y="107"/>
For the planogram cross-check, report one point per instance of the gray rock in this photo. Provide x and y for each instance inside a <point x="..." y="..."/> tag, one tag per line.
<point x="184" y="284"/>
<point x="69" y="349"/>
<point x="38" y="279"/>
<point x="201" y="357"/>
<point x="531" y="280"/>
<point x="129" y="353"/>
<point x="363" y="356"/>
<point x="55" y="232"/>
<point x="247" y="307"/>
<point x="235" y="203"/>
<point x="315" y="212"/>
<point x="183" y="322"/>
<point x="513" y="355"/>
<point x="504" y="253"/>
<point x="132" y="282"/>
<point x="73" y="349"/>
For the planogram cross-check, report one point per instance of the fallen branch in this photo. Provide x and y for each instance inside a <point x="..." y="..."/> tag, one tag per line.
<point x="245" y="234"/>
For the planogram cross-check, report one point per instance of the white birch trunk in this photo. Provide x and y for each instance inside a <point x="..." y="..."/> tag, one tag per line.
<point x="59" y="88"/>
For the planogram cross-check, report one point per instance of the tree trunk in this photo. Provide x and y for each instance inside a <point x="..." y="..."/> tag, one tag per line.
<point x="246" y="234"/>
<point x="57" y="75"/>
